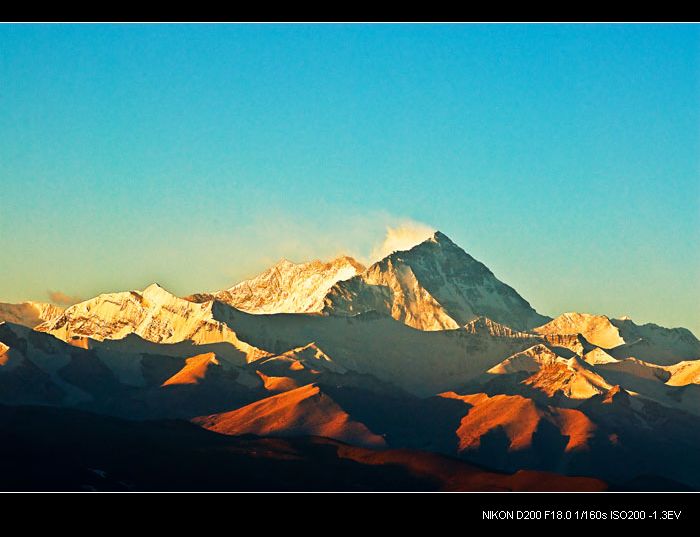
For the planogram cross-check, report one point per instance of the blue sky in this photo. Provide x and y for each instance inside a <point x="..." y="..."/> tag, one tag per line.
<point x="566" y="158"/>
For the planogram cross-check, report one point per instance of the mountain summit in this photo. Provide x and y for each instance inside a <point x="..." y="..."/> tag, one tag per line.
<point x="287" y="287"/>
<point x="433" y="286"/>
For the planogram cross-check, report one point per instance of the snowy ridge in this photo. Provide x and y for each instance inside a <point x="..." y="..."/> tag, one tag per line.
<point x="153" y="314"/>
<point x="484" y="325"/>
<point x="288" y="287"/>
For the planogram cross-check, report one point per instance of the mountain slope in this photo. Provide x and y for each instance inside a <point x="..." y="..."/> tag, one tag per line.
<point x="66" y="450"/>
<point x="655" y="344"/>
<point x="305" y="411"/>
<point x="540" y="368"/>
<point x="196" y="369"/>
<point x="597" y="329"/>
<point x="287" y="287"/>
<point x="647" y="438"/>
<point x="433" y="286"/>
<point x="519" y="419"/>
<point x="684" y="373"/>
<point x="422" y="362"/>
<point x="614" y="435"/>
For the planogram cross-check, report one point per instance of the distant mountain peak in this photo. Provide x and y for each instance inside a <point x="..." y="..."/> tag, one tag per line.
<point x="287" y="287"/>
<point x="440" y="238"/>
<point x="154" y="288"/>
<point x="435" y="285"/>
<point x="283" y="262"/>
<point x="624" y="338"/>
<point x="597" y="329"/>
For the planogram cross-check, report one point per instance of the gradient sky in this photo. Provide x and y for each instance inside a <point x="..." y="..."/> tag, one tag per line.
<point x="566" y="158"/>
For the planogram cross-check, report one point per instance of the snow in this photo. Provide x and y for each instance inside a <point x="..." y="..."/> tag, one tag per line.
<point x="154" y="314"/>
<point x="553" y="374"/>
<point x="598" y="356"/>
<point x="289" y="287"/>
<point x="656" y="344"/>
<point x="684" y="373"/>
<point x="433" y="286"/>
<point x="484" y="325"/>
<point x="421" y="362"/>
<point x="597" y="329"/>
<point x="425" y="320"/>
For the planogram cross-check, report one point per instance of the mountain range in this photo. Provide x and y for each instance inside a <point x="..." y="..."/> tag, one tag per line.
<point x="424" y="352"/>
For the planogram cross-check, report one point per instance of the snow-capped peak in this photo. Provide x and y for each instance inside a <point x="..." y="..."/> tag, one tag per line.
<point x="597" y="329"/>
<point x="433" y="286"/>
<point x="440" y="238"/>
<point x="282" y="263"/>
<point x="289" y="287"/>
<point x="153" y="288"/>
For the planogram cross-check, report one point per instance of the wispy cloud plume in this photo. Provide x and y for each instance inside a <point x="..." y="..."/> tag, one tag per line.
<point x="231" y="253"/>
<point x="403" y="236"/>
<point x="62" y="299"/>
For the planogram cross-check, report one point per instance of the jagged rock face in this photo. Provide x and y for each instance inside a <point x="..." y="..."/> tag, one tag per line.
<point x="433" y="286"/>
<point x="567" y="378"/>
<point x="288" y="287"/>
<point x="29" y="314"/>
<point x="153" y="314"/>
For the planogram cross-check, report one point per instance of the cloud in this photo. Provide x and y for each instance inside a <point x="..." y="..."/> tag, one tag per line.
<point x="403" y="236"/>
<point x="62" y="299"/>
<point x="232" y="251"/>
